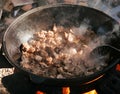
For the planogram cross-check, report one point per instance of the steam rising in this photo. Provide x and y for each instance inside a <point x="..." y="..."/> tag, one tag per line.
<point x="83" y="27"/>
<point x="25" y="36"/>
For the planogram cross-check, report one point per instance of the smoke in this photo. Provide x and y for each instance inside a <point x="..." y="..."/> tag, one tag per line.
<point x="85" y="30"/>
<point x="81" y="30"/>
<point x="25" y="36"/>
<point x="92" y="40"/>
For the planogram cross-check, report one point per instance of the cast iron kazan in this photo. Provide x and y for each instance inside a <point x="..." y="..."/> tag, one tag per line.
<point x="43" y="18"/>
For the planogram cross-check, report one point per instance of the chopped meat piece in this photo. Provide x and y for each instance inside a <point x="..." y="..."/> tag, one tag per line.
<point x="60" y="76"/>
<point x="38" y="58"/>
<point x="43" y="65"/>
<point x="49" y="60"/>
<point x="60" y="70"/>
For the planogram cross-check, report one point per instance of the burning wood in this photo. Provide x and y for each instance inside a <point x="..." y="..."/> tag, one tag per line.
<point x="118" y="67"/>
<point x="91" y="92"/>
<point x="39" y="92"/>
<point x="66" y="90"/>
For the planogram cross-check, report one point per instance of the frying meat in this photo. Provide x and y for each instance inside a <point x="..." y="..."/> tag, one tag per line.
<point x="59" y="53"/>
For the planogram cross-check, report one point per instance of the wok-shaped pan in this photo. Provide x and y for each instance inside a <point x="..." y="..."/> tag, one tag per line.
<point x="45" y="17"/>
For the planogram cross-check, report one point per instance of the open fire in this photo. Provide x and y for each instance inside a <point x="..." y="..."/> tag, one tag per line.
<point x="91" y="92"/>
<point x="66" y="90"/>
<point x="118" y="67"/>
